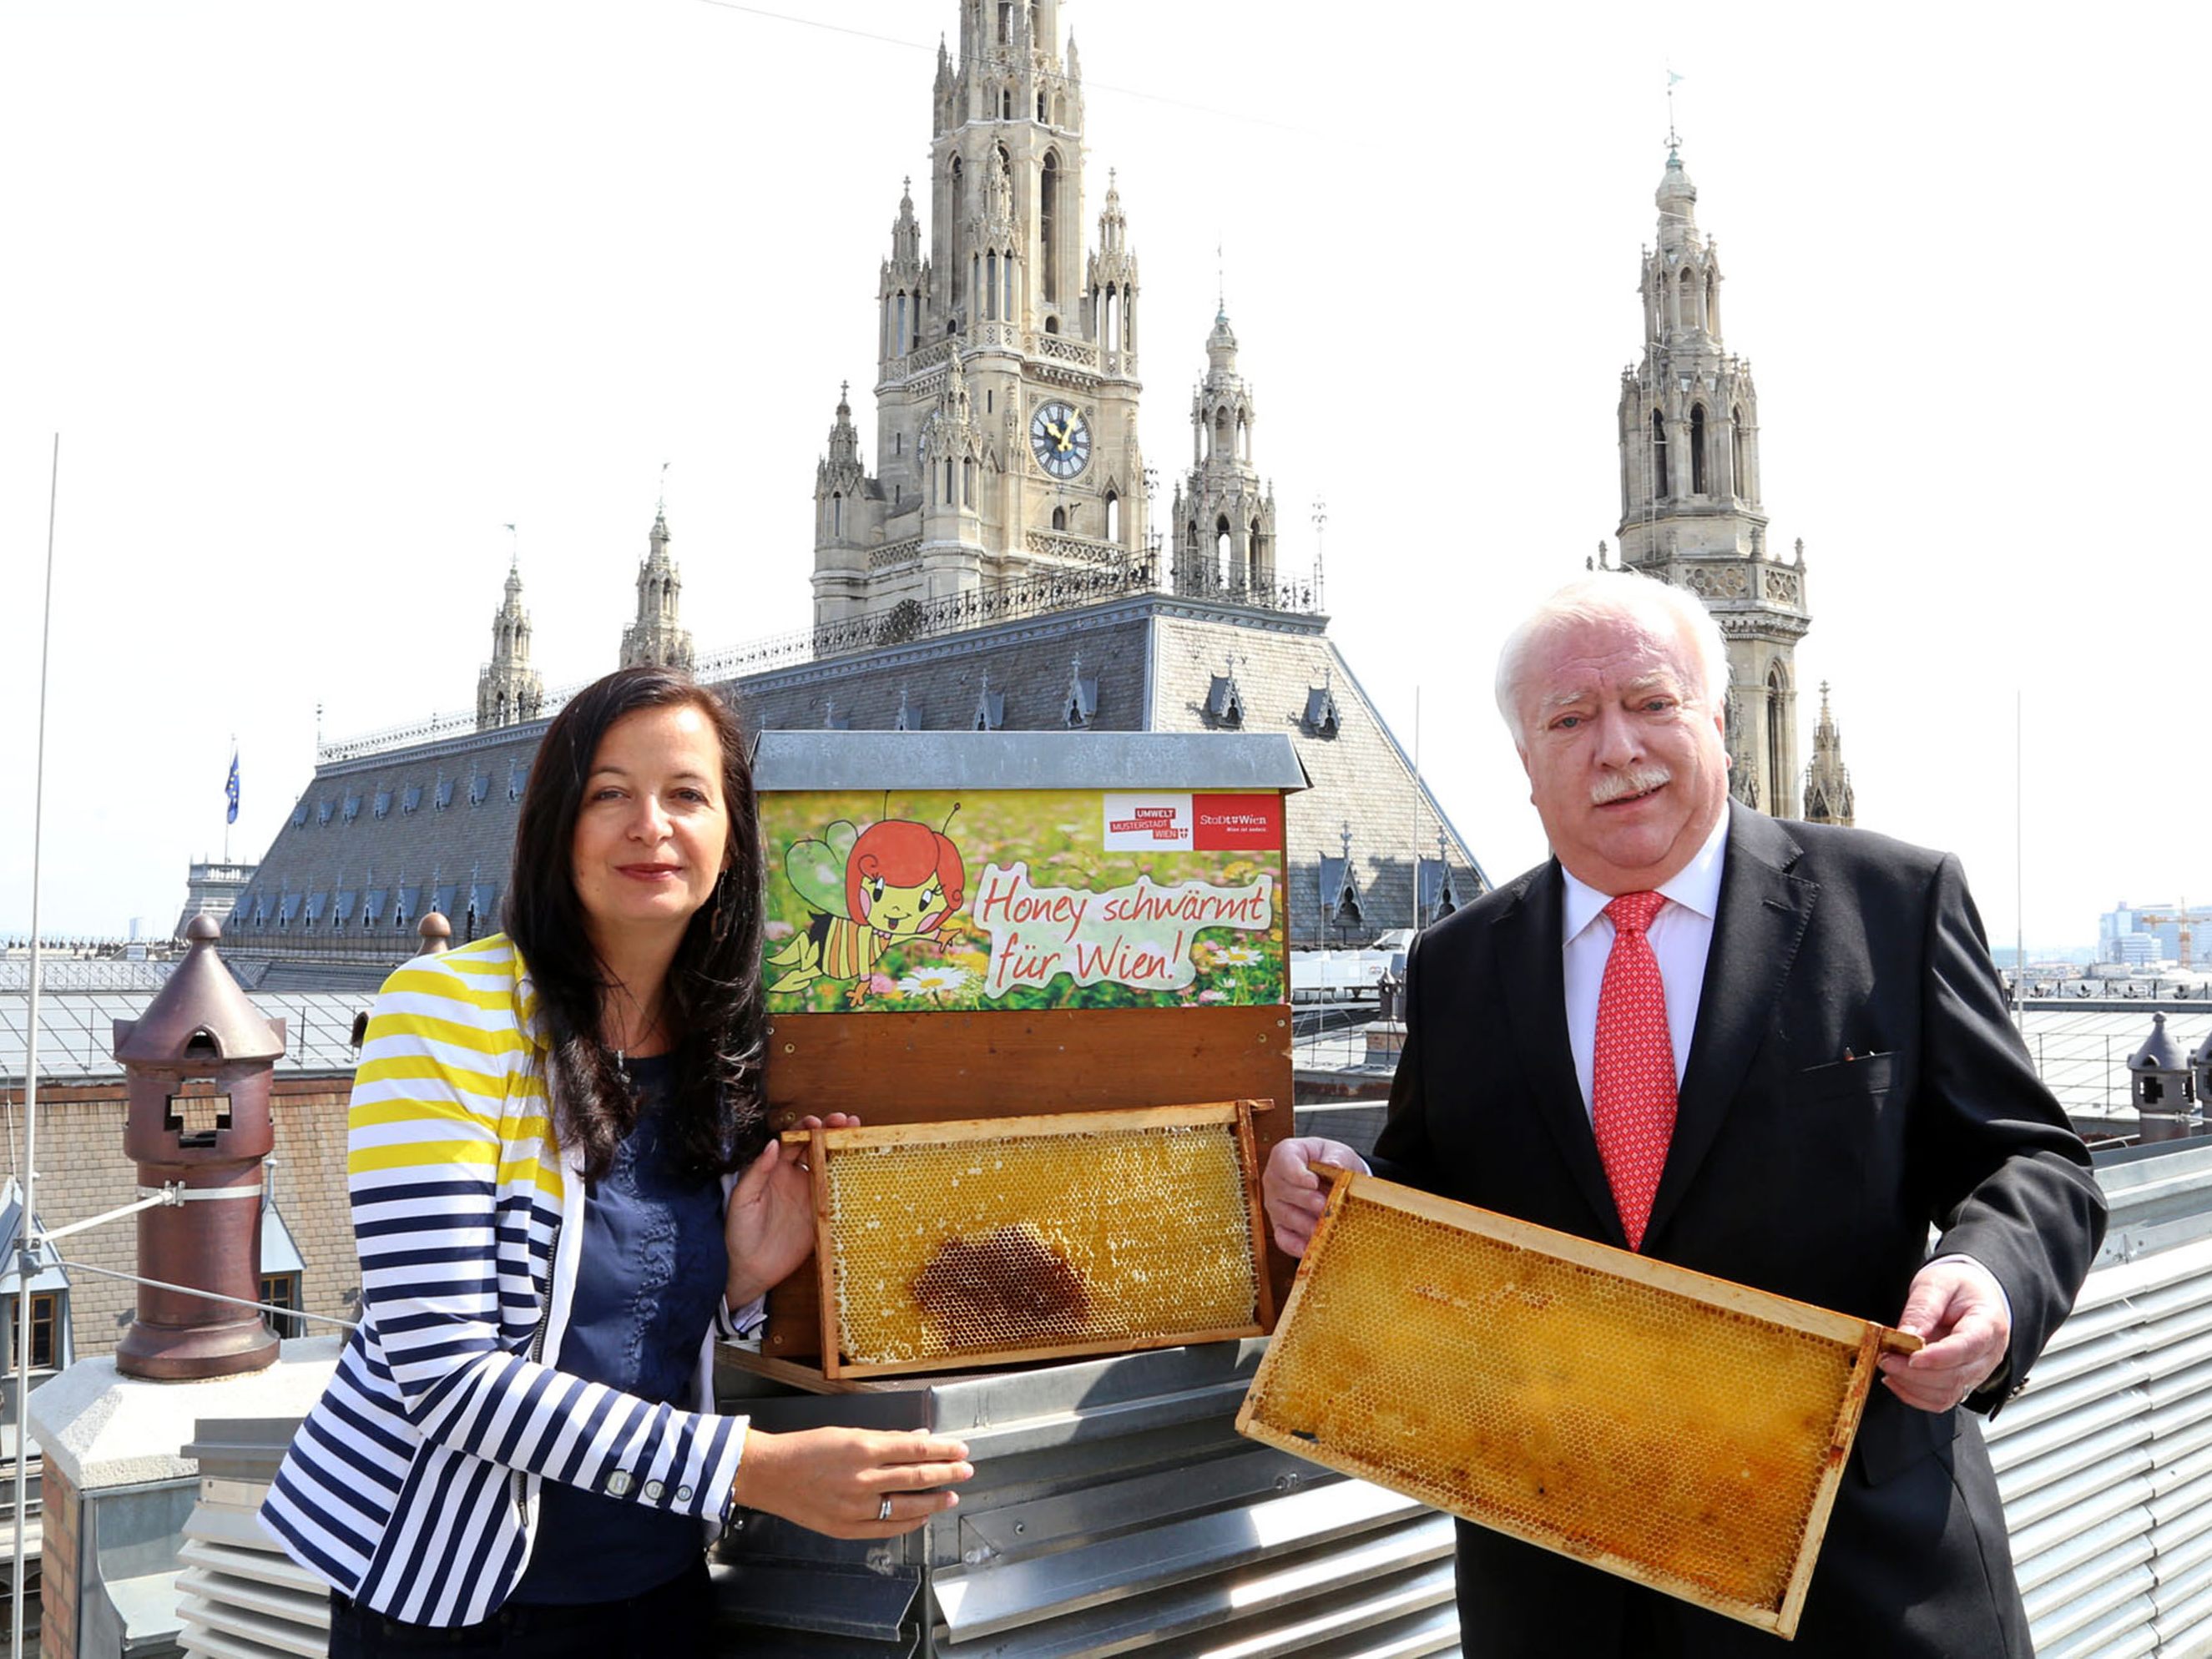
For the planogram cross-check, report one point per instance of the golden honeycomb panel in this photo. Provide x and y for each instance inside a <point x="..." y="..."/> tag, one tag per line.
<point x="1087" y="1232"/>
<point x="1640" y="1416"/>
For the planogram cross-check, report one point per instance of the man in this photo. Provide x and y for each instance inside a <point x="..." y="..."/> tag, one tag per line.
<point x="1773" y="1053"/>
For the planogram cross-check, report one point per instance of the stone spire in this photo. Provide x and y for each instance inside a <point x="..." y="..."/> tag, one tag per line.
<point x="508" y="690"/>
<point x="1224" y="519"/>
<point x="840" y="488"/>
<point x="1827" y="781"/>
<point x="657" y="635"/>
<point x="1690" y="508"/>
<point x="1111" y="283"/>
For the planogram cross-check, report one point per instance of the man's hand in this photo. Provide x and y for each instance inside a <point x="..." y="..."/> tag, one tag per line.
<point x="1958" y="1306"/>
<point x="1293" y="1193"/>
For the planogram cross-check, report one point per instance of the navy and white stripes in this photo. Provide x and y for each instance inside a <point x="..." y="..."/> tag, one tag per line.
<point x="412" y="1485"/>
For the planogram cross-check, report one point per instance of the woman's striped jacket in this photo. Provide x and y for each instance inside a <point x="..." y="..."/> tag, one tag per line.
<point x="412" y="1487"/>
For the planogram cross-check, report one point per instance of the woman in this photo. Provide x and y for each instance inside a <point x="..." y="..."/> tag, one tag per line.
<point x="519" y="1448"/>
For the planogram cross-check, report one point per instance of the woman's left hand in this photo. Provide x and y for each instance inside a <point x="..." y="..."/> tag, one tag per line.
<point x="769" y="1223"/>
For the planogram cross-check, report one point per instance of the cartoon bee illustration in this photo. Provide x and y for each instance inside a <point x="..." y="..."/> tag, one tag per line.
<point x="866" y="889"/>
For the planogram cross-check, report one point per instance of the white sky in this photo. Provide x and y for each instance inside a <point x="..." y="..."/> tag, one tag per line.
<point x="320" y="297"/>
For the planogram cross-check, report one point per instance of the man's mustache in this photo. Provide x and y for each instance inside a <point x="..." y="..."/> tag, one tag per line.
<point x="1634" y="782"/>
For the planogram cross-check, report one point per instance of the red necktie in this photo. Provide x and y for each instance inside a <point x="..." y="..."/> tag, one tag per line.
<point x="1632" y="1064"/>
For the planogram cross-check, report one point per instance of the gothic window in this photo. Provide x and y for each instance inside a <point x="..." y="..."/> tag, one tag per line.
<point x="1222" y="552"/>
<point x="1113" y="516"/>
<point x="1048" y="225"/>
<point x="1006" y="279"/>
<point x="901" y="336"/>
<point x="991" y="284"/>
<point x="990" y="403"/>
<point x="1659" y="490"/>
<point x="1005" y="103"/>
<point x="1713" y="302"/>
<point x="1040" y="107"/>
<point x="1697" y="450"/>
<point x="1689" y="308"/>
<point x="957" y="198"/>
<point x="968" y="483"/>
<point x="1737" y="482"/>
<point x="1060" y="112"/>
<point x="836" y="514"/>
<point x="1256" y="559"/>
<point x="1060" y="518"/>
<point x="1221" y="433"/>
<point x="1776" y="728"/>
<point x="1052" y="324"/>
<point x="1006" y="21"/>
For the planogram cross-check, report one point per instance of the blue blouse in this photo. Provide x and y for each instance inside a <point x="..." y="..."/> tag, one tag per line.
<point x="651" y="1266"/>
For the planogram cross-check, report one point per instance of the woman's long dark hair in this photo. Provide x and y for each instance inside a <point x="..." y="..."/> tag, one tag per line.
<point x="712" y="1002"/>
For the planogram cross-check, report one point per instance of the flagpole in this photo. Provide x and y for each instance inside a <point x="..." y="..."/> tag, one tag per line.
<point x="24" y="1259"/>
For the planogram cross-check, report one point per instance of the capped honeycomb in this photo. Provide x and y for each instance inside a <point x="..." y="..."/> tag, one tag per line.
<point x="1683" y="1431"/>
<point x="1086" y="1232"/>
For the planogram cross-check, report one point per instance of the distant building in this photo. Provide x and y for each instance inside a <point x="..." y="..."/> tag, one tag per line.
<point x="2155" y="932"/>
<point x="211" y="888"/>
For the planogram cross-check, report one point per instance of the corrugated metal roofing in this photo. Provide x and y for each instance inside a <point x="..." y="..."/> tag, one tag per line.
<point x="76" y="1032"/>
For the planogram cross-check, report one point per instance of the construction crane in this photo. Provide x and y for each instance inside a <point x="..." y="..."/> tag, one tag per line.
<point x="2180" y="916"/>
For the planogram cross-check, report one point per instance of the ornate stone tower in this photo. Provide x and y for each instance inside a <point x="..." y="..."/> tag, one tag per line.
<point x="1827" y="780"/>
<point x="1689" y="508"/>
<point x="1224" y="522"/>
<point x="657" y="636"/>
<point x="508" y="690"/>
<point x="1006" y="383"/>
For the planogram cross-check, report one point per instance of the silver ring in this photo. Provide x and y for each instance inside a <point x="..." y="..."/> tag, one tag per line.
<point x="883" y="1510"/>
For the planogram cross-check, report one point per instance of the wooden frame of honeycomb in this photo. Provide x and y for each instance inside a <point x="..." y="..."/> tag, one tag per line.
<point x="986" y="1241"/>
<point x="1678" y="1429"/>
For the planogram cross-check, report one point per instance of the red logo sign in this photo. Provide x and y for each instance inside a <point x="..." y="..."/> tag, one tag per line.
<point x="1226" y="824"/>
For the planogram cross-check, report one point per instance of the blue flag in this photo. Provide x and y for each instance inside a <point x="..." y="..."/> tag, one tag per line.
<point x="230" y="791"/>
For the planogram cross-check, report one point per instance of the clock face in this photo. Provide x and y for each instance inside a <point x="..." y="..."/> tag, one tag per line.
<point x="1061" y="439"/>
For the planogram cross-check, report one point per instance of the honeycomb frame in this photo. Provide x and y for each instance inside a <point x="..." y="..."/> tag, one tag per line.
<point x="1680" y="1431"/>
<point x="981" y="1241"/>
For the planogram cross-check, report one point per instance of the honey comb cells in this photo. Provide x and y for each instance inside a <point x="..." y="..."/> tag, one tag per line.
<point x="1096" y="1237"/>
<point x="1691" y="1444"/>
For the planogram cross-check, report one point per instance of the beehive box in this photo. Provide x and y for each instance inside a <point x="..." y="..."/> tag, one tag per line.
<point x="989" y="1241"/>
<point x="966" y="925"/>
<point x="1678" y="1429"/>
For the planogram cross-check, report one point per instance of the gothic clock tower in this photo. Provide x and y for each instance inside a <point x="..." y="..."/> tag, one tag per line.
<point x="1690" y="508"/>
<point x="1007" y="381"/>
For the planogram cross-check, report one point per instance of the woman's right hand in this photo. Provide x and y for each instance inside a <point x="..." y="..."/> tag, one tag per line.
<point x="835" y="1480"/>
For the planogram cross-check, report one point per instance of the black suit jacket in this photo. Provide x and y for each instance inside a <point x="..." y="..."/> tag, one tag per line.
<point x="1853" y="1080"/>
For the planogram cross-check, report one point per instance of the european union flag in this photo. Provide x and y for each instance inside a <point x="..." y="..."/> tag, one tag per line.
<point x="230" y="790"/>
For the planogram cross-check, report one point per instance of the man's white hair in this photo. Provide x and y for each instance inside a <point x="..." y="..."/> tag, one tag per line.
<point x="1670" y="612"/>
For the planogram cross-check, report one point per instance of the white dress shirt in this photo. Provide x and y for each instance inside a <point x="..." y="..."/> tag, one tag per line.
<point x="1681" y="937"/>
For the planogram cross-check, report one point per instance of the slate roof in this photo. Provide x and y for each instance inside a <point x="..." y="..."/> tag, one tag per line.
<point x="1150" y="662"/>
